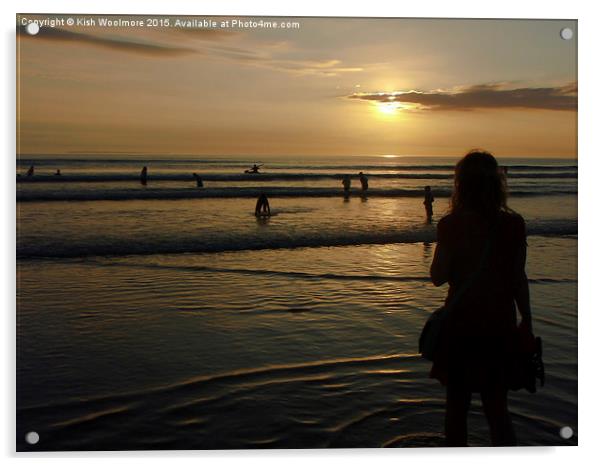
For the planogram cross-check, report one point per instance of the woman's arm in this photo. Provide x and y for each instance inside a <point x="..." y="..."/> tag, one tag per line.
<point x="442" y="259"/>
<point x="441" y="265"/>
<point x="521" y="294"/>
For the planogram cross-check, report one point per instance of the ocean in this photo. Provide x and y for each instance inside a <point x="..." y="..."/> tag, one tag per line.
<point x="168" y="316"/>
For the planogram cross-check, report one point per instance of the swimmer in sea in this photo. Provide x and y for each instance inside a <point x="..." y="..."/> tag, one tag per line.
<point x="143" y="176"/>
<point x="363" y="181"/>
<point x="263" y="206"/>
<point x="346" y="183"/>
<point x="428" y="203"/>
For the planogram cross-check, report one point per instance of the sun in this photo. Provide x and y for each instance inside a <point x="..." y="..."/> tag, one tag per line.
<point x="389" y="108"/>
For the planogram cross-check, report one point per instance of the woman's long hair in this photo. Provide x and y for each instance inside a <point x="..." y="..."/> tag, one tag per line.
<point x="479" y="185"/>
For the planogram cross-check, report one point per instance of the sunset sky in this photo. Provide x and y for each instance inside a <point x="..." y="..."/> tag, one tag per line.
<point x="332" y="86"/>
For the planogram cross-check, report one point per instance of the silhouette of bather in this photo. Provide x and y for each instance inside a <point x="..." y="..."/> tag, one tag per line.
<point x="428" y="203"/>
<point x="346" y="183"/>
<point x="363" y="181"/>
<point x="262" y="207"/>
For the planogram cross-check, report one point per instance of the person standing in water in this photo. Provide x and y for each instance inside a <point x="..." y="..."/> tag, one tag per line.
<point x="346" y="183"/>
<point x="30" y="171"/>
<point x="262" y="207"/>
<point x="199" y="181"/>
<point x="363" y="181"/>
<point x="143" y="176"/>
<point x="477" y="347"/>
<point x="428" y="203"/>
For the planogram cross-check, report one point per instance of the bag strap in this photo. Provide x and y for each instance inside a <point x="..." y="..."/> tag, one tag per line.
<point x="472" y="279"/>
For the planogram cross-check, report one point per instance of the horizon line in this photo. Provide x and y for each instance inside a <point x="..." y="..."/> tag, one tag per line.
<point x="168" y="154"/>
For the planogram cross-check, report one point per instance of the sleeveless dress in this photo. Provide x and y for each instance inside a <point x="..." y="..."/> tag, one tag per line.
<point x="479" y="338"/>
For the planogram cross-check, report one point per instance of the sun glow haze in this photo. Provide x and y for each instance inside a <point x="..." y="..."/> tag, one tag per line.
<point x="389" y="108"/>
<point x="392" y="108"/>
<point x="263" y="92"/>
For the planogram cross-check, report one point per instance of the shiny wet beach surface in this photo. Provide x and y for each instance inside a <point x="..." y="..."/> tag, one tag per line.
<point x="312" y="347"/>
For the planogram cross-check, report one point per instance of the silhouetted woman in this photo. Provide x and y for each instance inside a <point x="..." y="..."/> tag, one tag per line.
<point x="478" y="338"/>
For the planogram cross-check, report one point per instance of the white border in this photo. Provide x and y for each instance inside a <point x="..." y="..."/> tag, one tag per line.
<point x="590" y="156"/>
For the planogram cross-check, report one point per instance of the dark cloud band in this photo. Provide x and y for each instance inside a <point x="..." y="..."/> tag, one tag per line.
<point x="62" y="35"/>
<point x="486" y="96"/>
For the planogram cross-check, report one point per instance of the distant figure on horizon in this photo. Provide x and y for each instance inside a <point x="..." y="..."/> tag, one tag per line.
<point x="199" y="181"/>
<point x="143" y="176"/>
<point x="262" y="208"/>
<point x="363" y="181"/>
<point x="58" y="172"/>
<point x="481" y="252"/>
<point x="253" y="169"/>
<point x="428" y="203"/>
<point x="346" y="183"/>
<point x="30" y="171"/>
